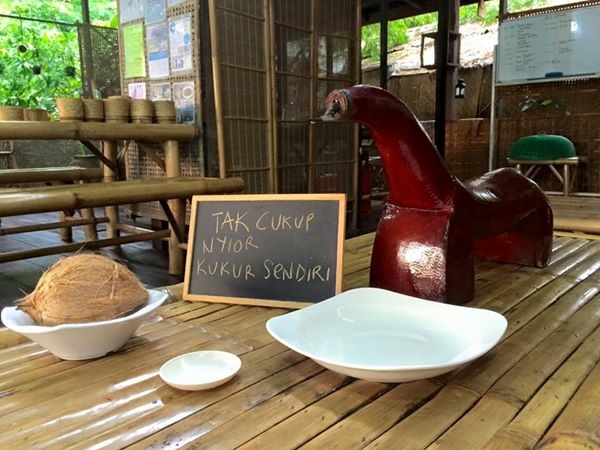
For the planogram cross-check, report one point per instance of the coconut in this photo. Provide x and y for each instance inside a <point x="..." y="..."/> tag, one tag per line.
<point x="84" y="288"/>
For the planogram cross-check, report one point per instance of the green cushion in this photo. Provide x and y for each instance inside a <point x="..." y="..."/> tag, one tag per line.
<point x="542" y="147"/>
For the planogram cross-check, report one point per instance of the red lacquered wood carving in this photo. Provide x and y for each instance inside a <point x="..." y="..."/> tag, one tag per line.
<point x="433" y="225"/>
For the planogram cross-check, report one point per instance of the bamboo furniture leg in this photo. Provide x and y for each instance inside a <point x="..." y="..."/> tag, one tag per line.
<point x="91" y="232"/>
<point x="566" y="180"/>
<point x="109" y="149"/>
<point x="66" y="233"/>
<point x="176" y="260"/>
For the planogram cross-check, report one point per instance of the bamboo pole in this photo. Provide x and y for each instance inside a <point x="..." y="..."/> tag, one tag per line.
<point x="577" y="426"/>
<point x="314" y="81"/>
<point x="518" y="385"/>
<point x="177" y="206"/>
<point x="46" y="174"/>
<point x="216" y="62"/>
<point x="133" y="229"/>
<point x="58" y="198"/>
<point x="90" y="229"/>
<point x="577" y="224"/>
<point x="66" y="233"/>
<point x="99" y="131"/>
<point x="527" y="428"/>
<point x="109" y="149"/>
<point x="52" y="226"/>
<point x="356" y="134"/>
<point x="271" y="100"/>
<point x="68" y="248"/>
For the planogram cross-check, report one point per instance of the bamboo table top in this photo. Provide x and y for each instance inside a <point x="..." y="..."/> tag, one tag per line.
<point x="539" y="386"/>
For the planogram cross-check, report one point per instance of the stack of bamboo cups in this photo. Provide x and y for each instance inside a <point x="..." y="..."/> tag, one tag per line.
<point x="11" y="113"/>
<point x="36" y="115"/>
<point x="117" y="108"/>
<point x="69" y="109"/>
<point x="93" y="110"/>
<point x="164" y="111"/>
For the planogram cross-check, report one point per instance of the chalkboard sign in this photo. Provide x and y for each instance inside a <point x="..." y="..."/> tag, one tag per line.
<point x="275" y="250"/>
<point x="549" y="46"/>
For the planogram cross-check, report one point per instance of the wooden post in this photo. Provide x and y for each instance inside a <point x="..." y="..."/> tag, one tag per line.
<point x="176" y="260"/>
<point x="441" y="69"/>
<point x="454" y="58"/>
<point x="272" y="99"/>
<point x="383" y="44"/>
<point x="216" y="70"/>
<point x="109" y="149"/>
<point x="314" y="84"/>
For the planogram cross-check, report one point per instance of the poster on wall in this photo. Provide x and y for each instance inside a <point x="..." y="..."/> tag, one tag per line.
<point x="184" y="98"/>
<point x="133" y="51"/>
<point x="180" y="44"/>
<point x="160" y="91"/>
<point x="137" y="90"/>
<point x="155" y="11"/>
<point x="157" y="41"/>
<point x="130" y="10"/>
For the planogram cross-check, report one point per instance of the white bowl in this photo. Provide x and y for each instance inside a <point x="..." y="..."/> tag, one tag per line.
<point x="197" y="371"/>
<point x="378" y="335"/>
<point x="75" y="341"/>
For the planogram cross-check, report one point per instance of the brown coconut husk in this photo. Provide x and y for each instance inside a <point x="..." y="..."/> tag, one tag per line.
<point x="84" y="288"/>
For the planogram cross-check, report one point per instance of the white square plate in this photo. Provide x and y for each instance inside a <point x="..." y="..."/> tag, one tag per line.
<point x="379" y="335"/>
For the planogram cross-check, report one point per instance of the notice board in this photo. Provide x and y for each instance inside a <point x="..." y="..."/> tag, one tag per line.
<point x="273" y="250"/>
<point x="549" y="46"/>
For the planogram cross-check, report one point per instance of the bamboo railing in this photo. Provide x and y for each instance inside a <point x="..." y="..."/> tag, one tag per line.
<point x="96" y="131"/>
<point x="49" y="174"/>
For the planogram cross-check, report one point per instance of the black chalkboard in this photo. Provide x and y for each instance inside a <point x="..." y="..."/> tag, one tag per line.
<point x="276" y="250"/>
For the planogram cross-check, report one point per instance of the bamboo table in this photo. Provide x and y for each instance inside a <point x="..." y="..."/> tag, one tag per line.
<point x="539" y="386"/>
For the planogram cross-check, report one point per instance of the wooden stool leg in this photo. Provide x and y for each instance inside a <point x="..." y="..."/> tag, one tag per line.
<point x="566" y="180"/>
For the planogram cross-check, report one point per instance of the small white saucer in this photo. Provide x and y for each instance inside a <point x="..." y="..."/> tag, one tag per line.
<point x="197" y="371"/>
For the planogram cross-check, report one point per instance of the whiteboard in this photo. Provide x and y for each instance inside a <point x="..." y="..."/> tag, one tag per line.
<point x="549" y="46"/>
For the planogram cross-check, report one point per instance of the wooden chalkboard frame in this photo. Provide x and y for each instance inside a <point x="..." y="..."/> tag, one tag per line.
<point x="338" y="197"/>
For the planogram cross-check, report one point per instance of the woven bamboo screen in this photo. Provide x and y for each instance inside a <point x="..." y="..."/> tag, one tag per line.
<point x="98" y="49"/>
<point x="138" y="162"/>
<point x="275" y="61"/>
<point x="242" y="90"/>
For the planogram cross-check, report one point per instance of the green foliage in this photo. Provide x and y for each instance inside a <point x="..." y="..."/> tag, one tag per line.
<point x="40" y="61"/>
<point x="397" y="29"/>
<point x="48" y="49"/>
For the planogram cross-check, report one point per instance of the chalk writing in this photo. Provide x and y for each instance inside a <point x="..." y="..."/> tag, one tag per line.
<point x="266" y="247"/>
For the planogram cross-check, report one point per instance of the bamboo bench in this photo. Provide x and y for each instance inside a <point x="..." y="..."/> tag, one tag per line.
<point x="49" y="174"/>
<point x="44" y="199"/>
